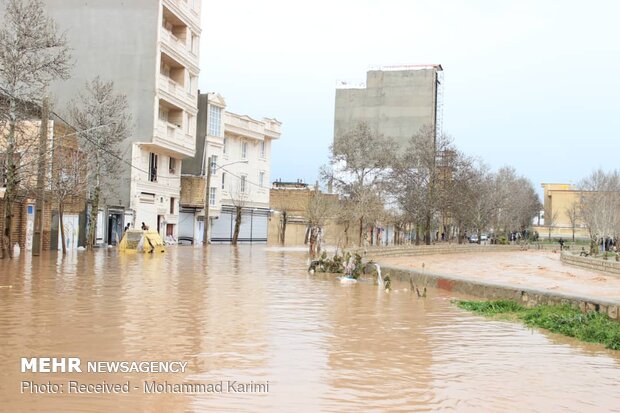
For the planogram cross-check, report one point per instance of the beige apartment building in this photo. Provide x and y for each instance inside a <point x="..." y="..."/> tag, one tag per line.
<point x="240" y="151"/>
<point x="561" y="201"/>
<point x="150" y="49"/>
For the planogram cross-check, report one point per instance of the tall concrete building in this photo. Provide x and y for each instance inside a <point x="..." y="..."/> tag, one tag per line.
<point x="149" y="48"/>
<point x="240" y="151"/>
<point x="395" y="102"/>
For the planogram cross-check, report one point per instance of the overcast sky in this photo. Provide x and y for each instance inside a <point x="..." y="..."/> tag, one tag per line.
<point x="532" y="84"/>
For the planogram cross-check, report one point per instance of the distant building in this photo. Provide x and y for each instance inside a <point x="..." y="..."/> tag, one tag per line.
<point x="240" y="151"/>
<point x="395" y="102"/>
<point x="61" y="137"/>
<point x="289" y="203"/>
<point x="558" y="201"/>
<point x="149" y="48"/>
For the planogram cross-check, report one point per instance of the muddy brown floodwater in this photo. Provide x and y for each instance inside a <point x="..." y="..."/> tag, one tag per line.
<point x="253" y="314"/>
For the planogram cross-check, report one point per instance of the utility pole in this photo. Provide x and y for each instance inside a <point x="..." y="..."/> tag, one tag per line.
<point x="205" y="232"/>
<point x="37" y="242"/>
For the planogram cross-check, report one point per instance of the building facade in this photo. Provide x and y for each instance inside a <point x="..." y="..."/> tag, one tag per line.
<point x="150" y="49"/>
<point x="395" y="102"/>
<point x="60" y="139"/>
<point x="240" y="152"/>
<point x="561" y="203"/>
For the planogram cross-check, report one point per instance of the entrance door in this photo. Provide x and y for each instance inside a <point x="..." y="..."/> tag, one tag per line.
<point x="71" y="224"/>
<point x="115" y="228"/>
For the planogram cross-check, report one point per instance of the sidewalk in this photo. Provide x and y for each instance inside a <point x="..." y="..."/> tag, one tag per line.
<point x="538" y="270"/>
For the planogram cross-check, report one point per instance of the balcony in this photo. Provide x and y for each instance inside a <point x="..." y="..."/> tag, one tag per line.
<point x="178" y="49"/>
<point x="172" y="139"/>
<point x="176" y="94"/>
<point x="184" y="10"/>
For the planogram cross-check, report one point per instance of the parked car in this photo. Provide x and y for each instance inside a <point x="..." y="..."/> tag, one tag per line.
<point x="484" y="237"/>
<point x="473" y="238"/>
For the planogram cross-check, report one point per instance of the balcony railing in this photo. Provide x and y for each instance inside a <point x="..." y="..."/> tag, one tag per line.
<point x="179" y="50"/>
<point x="186" y="9"/>
<point x="177" y="90"/>
<point x="173" y="137"/>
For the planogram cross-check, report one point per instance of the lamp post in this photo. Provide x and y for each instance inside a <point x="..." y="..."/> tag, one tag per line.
<point x="210" y="169"/>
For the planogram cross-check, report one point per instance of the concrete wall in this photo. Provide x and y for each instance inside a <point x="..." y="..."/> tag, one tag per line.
<point x="597" y="264"/>
<point x="496" y="291"/>
<point x="120" y="45"/>
<point x="395" y="104"/>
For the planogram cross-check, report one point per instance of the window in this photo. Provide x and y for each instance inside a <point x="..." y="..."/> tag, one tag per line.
<point x="244" y="150"/>
<point x="172" y="202"/>
<point x="243" y="184"/>
<point x="261" y="179"/>
<point x="190" y="123"/>
<point x="225" y="146"/>
<point x="215" y="121"/>
<point x="172" y="166"/>
<point x="194" y="43"/>
<point x="163" y="115"/>
<point x="262" y="149"/>
<point x="223" y="179"/>
<point x="192" y="85"/>
<point x="152" y="167"/>
<point x="212" y="196"/>
<point x="213" y="164"/>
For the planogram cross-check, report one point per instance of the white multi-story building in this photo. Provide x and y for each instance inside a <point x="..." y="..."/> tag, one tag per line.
<point x="240" y="152"/>
<point x="149" y="48"/>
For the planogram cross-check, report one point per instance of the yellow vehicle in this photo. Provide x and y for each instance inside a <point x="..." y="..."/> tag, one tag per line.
<point x="137" y="240"/>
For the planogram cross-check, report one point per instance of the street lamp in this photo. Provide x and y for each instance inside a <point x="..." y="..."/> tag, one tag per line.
<point x="205" y="232"/>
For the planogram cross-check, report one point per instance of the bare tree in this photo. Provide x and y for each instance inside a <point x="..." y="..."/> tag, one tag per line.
<point x="515" y="200"/>
<point x="421" y="180"/>
<point x="359" y="164"/>
<point x="320" y="208"/>
<point x="572" y="212"/>
<point x="32" y="55"/>
<point x="551" y="219"/>
<point x="239" y="198"/>
<point x="103" y="121"/>
<point x="600" y="204"/>
<point x="69" y="181"/>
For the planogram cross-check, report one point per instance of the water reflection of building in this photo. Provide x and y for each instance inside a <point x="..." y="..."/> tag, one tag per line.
<point x="240" y="152"/>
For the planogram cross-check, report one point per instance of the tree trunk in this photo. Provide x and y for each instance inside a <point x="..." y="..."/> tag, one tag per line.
<point x="283" y="233"/>
<point x="427" y="231"/>
<point x="237" y="225"/>
<point x="313" y="237"/>
<point x="573" y="235"/>
<point x="92" y="228"/>
<point x="61" y="213"/>
<point x="11" y="183"/>
<point x="361" y="230"/>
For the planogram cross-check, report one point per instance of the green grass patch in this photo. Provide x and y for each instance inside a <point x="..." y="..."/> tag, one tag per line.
<point x="591" y="327"/>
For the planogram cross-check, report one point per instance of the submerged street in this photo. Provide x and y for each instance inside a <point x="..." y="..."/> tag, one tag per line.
<point x="252" y="315"/>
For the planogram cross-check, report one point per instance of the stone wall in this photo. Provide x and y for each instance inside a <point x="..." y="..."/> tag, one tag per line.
<point x="597" y="264"/>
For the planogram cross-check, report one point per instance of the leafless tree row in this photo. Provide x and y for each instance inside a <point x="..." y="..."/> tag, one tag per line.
<point x="431" y="190"/>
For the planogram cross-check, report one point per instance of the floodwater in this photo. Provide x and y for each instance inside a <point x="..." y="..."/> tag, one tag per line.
<point x="253" y="315"/>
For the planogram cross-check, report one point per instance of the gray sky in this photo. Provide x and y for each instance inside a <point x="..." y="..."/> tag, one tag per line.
<point x="532" y="84"/>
